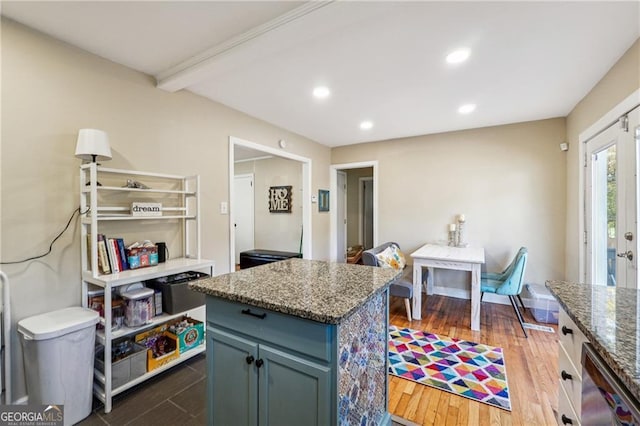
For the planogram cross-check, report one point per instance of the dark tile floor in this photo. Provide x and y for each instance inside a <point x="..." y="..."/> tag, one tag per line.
<point x="175" y="397"/>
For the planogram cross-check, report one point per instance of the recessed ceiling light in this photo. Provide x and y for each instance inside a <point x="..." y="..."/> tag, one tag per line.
<point x="321" y="92"/>
<point x="366" y="125"/>
<point x="458" y="56"/>
<point x="466" y="108"/>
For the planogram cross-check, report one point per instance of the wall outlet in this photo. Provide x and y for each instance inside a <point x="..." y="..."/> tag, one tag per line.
<point x="224" y="207"/>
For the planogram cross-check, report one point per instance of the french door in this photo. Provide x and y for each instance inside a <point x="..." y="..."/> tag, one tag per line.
<point x="611" y="203"/>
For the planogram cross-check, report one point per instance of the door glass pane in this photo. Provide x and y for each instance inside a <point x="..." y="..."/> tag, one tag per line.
<point x="605" y="195"/>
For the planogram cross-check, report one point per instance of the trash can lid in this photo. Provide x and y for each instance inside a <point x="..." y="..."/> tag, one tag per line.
<point x="57" y="323"/>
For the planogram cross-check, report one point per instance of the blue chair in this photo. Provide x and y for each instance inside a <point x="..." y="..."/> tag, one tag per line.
<point x="508" y="283"/>
<point x="500" y="276"/>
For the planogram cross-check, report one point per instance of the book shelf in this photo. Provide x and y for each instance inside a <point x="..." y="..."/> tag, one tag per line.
<point x="106" y="196"/>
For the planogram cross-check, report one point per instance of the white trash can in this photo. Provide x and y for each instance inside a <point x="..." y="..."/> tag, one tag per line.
<point x="58" y="350"/>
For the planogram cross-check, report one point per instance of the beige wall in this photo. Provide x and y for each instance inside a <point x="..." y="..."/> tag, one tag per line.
<point x="353" y="208"/>
<point x="49" y="91"/>
<point x="275" y="231"/>
<point x="508" y="180"/>
<point x="619" y="82"/>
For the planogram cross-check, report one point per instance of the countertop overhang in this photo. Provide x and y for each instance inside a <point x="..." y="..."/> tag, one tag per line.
<point x="610" y="318"/>
<point x="317" y="290"/>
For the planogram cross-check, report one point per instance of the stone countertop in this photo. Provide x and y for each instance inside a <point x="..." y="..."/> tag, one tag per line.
<point x="610" y="318"/>
<point x="316" y="290"/>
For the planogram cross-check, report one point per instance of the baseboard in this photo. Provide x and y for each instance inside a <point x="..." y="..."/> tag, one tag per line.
<point x="460" y="293"/>
<point x="22" y="401"/>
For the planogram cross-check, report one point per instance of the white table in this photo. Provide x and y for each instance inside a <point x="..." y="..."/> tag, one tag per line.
<point x="433" y="256"/>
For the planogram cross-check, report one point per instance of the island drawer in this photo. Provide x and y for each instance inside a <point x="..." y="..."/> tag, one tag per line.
<point x="565" y="410"/>
<point x="571" y="338"/>
<point x="293" y="333"/>
<point x="570" y="378"/>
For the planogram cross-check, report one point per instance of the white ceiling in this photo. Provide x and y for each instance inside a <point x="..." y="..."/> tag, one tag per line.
<point x="383" y="61"/>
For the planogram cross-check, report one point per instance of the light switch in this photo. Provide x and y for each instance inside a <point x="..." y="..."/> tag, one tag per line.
<point x="224" y="207"/>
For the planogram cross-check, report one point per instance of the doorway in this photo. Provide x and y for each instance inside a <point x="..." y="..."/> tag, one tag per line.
<point x="354" y="229"/>
<point x="237" y="145"/>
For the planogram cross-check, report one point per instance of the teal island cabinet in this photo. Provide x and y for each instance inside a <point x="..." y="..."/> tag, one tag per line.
<point x="298" y="342"/>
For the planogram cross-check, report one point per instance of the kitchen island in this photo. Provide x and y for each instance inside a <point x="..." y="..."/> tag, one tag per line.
<point x="298" y="342"/>
<point x="609" y="318"/>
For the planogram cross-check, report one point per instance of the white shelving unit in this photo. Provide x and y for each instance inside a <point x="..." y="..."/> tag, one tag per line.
<point x="110" y="203"/>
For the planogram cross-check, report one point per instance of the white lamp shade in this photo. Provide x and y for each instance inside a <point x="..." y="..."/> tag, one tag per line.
<point x="93" y="142"/>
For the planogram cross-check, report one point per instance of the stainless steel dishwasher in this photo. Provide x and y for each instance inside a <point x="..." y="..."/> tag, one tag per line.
<point x="605" y="399"/>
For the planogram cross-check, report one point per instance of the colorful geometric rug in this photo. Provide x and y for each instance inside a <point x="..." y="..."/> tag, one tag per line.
<point x="464" y="368"/>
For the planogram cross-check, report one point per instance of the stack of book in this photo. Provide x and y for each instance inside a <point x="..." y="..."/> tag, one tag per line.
<point x="112" y="256"/>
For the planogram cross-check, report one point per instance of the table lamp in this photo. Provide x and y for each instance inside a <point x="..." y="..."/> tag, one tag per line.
<point x="93" y="145"/>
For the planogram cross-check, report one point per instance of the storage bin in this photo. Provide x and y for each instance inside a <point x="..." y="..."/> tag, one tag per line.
<point x="544" y="306"/>
<point x="128" y="361"/>
<point x="189" y="333"/>
<point x="142" y="338"/>
<point x="141" y="257"/>
<point x="176" y="295"/>
<point x="139" y="307"/>
<point x="161" y="348"/>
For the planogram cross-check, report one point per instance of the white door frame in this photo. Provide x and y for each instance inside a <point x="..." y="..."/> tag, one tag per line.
<point x="253" y="229"/>
<point x="629" y="103"/>
<point x="306" y="193"/>
<point x="333" y="186"/>
<point x="361" y="182"/>
<point x="341" y="209"/>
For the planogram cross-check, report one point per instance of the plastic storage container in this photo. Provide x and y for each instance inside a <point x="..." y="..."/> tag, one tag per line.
<point x="58" y="353"/>
<point x="139" y="307"/>
<point x="544" y="306"/>
<point x="95" y="301"/>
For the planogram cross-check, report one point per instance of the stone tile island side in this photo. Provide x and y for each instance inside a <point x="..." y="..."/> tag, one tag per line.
<point x="298" y="342"/>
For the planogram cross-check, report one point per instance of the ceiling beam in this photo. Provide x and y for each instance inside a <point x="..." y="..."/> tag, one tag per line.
<point x="194" y="69"/>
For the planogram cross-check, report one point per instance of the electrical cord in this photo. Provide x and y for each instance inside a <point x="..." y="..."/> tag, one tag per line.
<point x="52" y="242"/>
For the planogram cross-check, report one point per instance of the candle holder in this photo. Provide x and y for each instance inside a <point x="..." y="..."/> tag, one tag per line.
<point x="460" y="235"/>
<point x="452" y="238"/>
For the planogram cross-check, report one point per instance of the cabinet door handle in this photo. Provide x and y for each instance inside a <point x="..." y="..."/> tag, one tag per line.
<point x="566" y="420"/>
<point x="253" y="314"/>
<point x="259" y="363"/>
<point x="250" y="359"/>
<point x="566" y="330"/>
<point x="566" y="376"/>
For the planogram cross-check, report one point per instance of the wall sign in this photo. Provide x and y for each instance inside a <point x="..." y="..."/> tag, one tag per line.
<point x="280" y="199"/>
<point x="146" y="209"/>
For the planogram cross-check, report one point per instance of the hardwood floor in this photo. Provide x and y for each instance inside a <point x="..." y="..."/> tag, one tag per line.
<point x="531" y="367"/>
